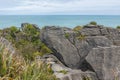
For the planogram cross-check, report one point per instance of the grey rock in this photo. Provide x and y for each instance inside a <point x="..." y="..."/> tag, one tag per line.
<point x="84" y="76"/>
<point x="51" y="60"/>
<point x="94" y="48"/>
<point x="116" y="42"/>
<point x="104" y="31"/>
<point x="58" y="68"/>
<point x="113" y="34"/>
<point x="54" y="38"/>
<point x="93" y="26"/>
<point x="77" y="75"/>
<point x="105" y="62"/>
<point x="90" y="31"/>
<point x="54" y="59"/>
<point x="8" y="45"/>
<point x="96" y="41"/>
<point x="64" y="78"/>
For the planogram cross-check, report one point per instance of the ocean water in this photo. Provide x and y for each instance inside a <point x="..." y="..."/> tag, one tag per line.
<point x="58" y="20"/>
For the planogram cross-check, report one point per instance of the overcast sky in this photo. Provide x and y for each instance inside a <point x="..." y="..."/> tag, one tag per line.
<point x="60" y="7"/>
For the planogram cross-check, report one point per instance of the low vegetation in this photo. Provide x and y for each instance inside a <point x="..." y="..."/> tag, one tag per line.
<point x="26" y="40"/>
<point x="67" y="35"/>
<point x="93" y="23"/>
<point x="81" y="37"/>
<point x="77" y="28"/>
<point x="15" y="67"/>
<point x="86" y="78"/>
<point x="118" y="27"/>
<point x="63" y="71"/>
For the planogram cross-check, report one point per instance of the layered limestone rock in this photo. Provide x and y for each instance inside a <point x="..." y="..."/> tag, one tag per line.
<point x="94" y="48"/>
<point x="64" y="73"/>
<point x="106" y="62"/>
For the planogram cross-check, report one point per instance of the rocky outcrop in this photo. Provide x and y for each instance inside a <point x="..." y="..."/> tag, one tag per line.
<point x="4" y="43"/>
<point x="64" y="73"/>
<point x="106" y="62"/>
<point x="55" y="39"/>
<point x="94" y="48"/>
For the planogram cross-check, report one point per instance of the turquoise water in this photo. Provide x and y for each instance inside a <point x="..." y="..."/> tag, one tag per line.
<point x="58" y="20"/>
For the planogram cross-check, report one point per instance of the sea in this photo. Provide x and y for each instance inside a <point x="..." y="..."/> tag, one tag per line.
<point x="70" y="21"/>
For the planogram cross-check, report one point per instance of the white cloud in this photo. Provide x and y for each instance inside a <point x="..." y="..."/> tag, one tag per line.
<point x="63" y="6"/>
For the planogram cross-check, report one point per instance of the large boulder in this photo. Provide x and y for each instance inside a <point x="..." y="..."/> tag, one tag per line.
<point x="69" y="46"/>
<point x="93" y="48"/>
<point x="54" y="38"/>
<point x="106" y="62"/>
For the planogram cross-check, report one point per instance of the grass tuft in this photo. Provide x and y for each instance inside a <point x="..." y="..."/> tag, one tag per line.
<point x="14" y="67"/>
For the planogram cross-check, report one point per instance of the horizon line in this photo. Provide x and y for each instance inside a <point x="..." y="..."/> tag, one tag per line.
<point x="61" y="14"/>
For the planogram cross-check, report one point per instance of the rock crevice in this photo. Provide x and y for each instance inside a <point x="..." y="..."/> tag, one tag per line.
<point x="93" y="48"/>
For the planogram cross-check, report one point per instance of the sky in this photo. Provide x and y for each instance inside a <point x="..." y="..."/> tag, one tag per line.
<point x="59" y="7"/>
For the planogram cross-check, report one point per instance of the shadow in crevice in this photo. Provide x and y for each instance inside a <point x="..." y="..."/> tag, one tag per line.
<point x="59" y="56"/>
<point x="85" y="66"/>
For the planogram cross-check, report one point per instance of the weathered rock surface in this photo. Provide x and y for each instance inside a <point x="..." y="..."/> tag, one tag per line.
<point x="4" y="43"/>
<point x="55" y="39"/>
<point x="93" y="48"/>
<point x="64" y="73"/>
<point x="105" y="61"/>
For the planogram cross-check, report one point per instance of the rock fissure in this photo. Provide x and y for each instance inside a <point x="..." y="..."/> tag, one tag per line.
<point x="89" y="54"/>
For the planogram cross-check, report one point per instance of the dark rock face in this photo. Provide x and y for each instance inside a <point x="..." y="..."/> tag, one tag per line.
<point x="93" y="48"/>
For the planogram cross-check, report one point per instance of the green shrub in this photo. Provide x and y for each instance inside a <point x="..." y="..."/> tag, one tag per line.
<point x="63" y="71"/>
<point x="67" y="35"/>
<point x="93" y="23"/>
<point x="86" y="78"/>
<point x="30" y="30"/>
<point x="118" y="27"/>
<point x="45" y="50"/>
<point x="81" y="37"/>
<point x="77" y="28"/>
<point x="13" y="29"/>
<point x="26" y="41"/>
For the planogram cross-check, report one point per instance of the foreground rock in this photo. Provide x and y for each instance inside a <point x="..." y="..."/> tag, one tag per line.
<point x="64" y="73"/>
<point x="65" y="51"/>
<point x="93" y="48"/>
<point x="106" y="62"/>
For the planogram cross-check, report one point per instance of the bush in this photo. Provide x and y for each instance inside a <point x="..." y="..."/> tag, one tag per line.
<point x="118" y="27"/>
<point x="81" y="37"/>
<point x="13" y="29"/>
<point x="30" y="30"/>
<point x="26" y="41"/>
<point x="77" y="28"/>
<point x="67" y="35"/>
<point x="93" y="23"/>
